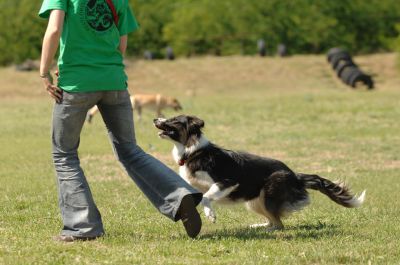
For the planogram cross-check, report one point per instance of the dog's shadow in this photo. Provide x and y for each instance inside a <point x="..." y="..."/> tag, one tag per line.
<point x="314" y="231"/>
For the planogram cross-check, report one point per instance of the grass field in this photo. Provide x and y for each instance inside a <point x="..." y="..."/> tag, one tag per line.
<point x="292" y="109"/>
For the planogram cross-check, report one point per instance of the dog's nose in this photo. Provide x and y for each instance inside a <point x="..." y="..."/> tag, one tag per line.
<point x="155" y="120"/>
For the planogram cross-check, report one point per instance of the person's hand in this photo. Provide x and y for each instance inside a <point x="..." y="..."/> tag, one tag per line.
<point x="54" y="91"/>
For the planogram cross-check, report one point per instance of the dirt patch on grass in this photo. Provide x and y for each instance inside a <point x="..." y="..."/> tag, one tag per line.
<point x="394" y="164"/>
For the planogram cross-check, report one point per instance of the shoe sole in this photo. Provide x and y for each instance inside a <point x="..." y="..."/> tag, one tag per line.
<point x="190" y="217"/>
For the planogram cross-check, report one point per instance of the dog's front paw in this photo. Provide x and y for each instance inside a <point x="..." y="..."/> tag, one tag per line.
<point x="208" y="211"/>
<point x="210" y="214"/>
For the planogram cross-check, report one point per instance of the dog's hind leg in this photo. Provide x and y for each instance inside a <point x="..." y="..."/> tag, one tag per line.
<point x="272" y="213"/>
<point x="215" y="193"/>
<point x="275" y="223"/>
<point x="91" y="113"/>
<point x="258" y="206"/>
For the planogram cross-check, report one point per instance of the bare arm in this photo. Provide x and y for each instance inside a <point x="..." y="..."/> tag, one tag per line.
<point x="50" y="45"/>
<point x="123" y="44"/>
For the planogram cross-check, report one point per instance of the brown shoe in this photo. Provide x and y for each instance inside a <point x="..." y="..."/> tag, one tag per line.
<point x="190" y="217"/>
<point x="62" y="238"/>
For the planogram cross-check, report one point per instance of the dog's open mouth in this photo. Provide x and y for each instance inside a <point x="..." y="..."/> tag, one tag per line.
<point x="165" y="131"/>
<point x="163" y="134"/>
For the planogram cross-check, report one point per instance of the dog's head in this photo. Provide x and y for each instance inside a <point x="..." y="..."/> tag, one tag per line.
<point x="174" y="103"/>
<point x="180" y="129"/>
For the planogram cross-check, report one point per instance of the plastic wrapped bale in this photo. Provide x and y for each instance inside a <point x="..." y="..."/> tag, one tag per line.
<point x="341" y="56"/>
<point x="361" y="77"/>
<point x="346" y="74"/>
<point x="332" y="52"/>
<point x="342" y="65"/>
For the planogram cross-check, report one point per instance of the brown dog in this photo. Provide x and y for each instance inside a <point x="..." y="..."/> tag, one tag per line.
<point x="157" y="102"/>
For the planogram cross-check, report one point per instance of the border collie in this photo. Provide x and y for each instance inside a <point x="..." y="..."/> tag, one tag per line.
<point x="267" y="186"/>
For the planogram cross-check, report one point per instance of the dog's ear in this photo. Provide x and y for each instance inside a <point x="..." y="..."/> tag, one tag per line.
<point x="193" y="120"/>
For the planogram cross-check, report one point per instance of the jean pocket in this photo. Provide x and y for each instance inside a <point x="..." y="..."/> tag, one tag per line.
<point x="74" y="98"/>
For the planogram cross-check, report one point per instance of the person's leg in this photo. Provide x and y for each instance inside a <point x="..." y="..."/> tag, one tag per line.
<point x="80" y="215"/>
<point x="164" y="188"/>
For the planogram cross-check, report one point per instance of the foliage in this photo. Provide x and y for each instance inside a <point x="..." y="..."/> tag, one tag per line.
<point x="395" y="44"/>
<point x="305" y="26"/>
<point x="226" y="26"/>
<point x="21" y="31"/>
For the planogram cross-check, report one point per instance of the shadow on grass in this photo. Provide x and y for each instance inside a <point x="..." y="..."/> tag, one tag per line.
<point x="314" y="231"/>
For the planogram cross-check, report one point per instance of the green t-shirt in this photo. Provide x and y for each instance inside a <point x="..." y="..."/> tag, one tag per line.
<point x="89" y="57"/>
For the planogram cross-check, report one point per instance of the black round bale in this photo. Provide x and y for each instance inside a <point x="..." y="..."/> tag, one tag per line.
<point x="353" y="76"/>
<point x="361" y="77"/>
<point x="347" y="73"/>
<point x="342" y="65"/>
<point x="332" y="52"/>
<point x="341" y="56"/>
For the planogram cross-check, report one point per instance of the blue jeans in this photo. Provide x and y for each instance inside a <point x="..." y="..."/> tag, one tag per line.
<point x="163" y="187"/>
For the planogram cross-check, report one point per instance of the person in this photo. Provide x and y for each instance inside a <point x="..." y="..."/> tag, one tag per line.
<point x="92" y="37"/>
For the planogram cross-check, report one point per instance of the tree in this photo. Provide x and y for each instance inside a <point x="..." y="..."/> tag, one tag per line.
<point x="225" y="26"/>
<point x="21" y="30"/>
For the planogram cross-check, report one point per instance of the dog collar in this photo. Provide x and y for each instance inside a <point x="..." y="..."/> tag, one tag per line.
<point x="183" y="159"/>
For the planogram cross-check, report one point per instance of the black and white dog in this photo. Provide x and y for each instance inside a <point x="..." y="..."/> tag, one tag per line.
<point x="267" y="186"/>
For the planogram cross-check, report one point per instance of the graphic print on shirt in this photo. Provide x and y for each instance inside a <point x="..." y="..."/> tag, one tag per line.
<point x="97" y="15"/>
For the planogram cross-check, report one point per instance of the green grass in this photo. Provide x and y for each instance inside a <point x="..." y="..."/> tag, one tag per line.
<point x="316" y="126"/>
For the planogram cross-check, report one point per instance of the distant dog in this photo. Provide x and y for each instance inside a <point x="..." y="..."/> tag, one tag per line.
<point x="267" y="186"/>
<point x="157" y="102"/>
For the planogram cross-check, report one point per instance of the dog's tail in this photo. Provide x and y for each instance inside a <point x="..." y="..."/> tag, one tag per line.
<point x="337" y="192"/>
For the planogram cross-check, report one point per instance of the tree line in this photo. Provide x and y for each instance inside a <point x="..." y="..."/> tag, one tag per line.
<point x="225" y="27"/>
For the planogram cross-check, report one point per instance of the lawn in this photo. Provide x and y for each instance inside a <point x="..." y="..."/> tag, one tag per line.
<point x="292" y="109"/>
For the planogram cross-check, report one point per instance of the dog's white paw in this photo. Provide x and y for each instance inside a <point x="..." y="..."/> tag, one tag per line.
<point x="260" y="225"/>
<point x="210" y="214"/>
<point x="268" y="226"/>
<point x="208" y="210"/>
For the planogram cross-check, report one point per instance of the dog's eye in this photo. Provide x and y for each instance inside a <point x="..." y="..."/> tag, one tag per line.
<point x="177" y="123"/>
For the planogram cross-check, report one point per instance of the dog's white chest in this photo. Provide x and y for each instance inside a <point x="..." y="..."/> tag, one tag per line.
<point x="201" y="180"/>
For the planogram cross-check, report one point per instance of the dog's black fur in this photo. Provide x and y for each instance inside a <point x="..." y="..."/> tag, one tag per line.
<point x="268" y="186"/>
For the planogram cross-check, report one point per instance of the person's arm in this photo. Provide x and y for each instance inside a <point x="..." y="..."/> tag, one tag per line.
<point x="50" y="45"/>
<point x="123" y="44"/>
<point x="127" y="24"/>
